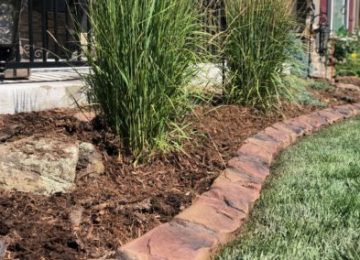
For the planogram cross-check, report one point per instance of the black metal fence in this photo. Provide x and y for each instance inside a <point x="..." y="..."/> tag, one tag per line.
<point x="55" y="33"/>
<point x="52" y="33"/>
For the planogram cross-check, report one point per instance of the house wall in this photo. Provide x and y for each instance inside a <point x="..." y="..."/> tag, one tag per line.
<point x="326" y="7"/>
<point x="352" y="14"/>
<point x="356" y="15"/>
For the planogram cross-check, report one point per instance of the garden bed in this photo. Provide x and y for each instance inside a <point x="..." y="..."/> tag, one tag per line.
<point x="126" y="201"/>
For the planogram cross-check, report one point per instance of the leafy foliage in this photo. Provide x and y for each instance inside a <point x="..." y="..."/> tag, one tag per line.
<point x="301" y="93"/>
<point x="320" y="85"/>
<point x="347" y="55"/>
<point x="298" y="58"/>
<point x="344" y="47"/>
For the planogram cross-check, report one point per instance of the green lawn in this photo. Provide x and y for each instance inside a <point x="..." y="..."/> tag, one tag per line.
<point x="310" y="207"/>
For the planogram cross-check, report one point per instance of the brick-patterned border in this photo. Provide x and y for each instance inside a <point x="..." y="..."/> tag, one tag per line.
<point x="217" y="215"/>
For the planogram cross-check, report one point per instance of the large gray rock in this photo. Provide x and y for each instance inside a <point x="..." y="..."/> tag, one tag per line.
<point x="42" y="166"/>
<point x="46" y="165"/>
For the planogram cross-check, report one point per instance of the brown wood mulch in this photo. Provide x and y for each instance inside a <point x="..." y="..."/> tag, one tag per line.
<point x="126" y="201"/>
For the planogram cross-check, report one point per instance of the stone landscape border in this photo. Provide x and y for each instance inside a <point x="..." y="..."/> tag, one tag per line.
<point x="216" y="216"/>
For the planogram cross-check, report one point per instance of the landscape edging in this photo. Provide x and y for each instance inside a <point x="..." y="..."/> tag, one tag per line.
<point x="217" y="215"/>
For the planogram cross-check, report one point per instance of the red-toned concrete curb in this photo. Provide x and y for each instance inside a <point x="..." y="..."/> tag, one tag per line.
<point x="217" y="215"/>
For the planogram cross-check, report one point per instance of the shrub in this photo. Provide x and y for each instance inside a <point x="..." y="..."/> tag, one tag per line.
<point x="351" y="67"/>
<point x="344" y="47"/>
<point x="257" y="47"/>
<point x="298" y="58"/>
<point x="347" y="55"/>
<point x="141" y="61"/>
<point x="301" y="90"/>
<point x="320" y="85"/>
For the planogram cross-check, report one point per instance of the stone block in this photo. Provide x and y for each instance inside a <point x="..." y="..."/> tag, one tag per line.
<point x="254" y="167"/>
<point x="215" y="214"/>
<point x="282" y="136"/>
<point x="256" y="152"/>
<point x="176" y="240"/>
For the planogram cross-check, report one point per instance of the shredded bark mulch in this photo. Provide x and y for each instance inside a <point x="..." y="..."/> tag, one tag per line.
<point x="108" y="210"/>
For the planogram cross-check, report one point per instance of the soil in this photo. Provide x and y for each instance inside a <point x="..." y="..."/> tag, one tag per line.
<point x="349" y="80"/>
<point x="108" y="210"/>
<point x="335" y="96"/>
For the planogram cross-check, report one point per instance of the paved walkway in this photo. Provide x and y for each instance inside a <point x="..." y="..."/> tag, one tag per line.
<point x="58" y="87"/>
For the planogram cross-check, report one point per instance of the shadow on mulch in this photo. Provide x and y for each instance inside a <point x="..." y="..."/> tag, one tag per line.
<point x="125" y="202"/>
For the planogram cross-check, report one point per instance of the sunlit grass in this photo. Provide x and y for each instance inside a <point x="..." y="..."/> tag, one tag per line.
<point x="310" y="208"/>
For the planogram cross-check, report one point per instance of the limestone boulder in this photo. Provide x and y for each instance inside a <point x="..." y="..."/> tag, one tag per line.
<point x="45" y="165"/>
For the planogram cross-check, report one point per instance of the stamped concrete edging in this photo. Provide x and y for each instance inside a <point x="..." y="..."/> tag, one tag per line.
<point x="216" y="216"/>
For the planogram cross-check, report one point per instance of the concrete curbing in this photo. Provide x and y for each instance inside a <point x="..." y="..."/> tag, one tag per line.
<point x="216" y="216"/>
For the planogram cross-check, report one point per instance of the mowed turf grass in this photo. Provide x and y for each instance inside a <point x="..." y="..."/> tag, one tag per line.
<point x="310" y="207"/>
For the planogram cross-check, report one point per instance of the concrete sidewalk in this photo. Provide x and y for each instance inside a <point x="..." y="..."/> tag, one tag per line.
<point x="58" y="87"/>
<point x="45" y="89"/>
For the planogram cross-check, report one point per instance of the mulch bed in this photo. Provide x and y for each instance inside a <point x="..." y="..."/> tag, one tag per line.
<point x="126" y="201"/>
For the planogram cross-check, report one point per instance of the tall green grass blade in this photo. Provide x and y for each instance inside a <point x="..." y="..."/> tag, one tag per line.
<point x="257" y="47"/>
<point x="143" y="57"/>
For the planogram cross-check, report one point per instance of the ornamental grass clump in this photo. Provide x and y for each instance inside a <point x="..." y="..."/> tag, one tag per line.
<point x="257" y="47"/>
<point x="141" y="60"/>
